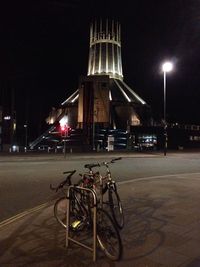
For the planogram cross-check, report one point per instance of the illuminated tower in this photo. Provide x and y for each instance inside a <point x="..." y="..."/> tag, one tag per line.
<point x="104" y="98"/>
<point x="105" y="49"/>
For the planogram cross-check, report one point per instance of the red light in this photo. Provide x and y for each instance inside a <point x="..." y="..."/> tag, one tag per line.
<point x="63" y="128"/>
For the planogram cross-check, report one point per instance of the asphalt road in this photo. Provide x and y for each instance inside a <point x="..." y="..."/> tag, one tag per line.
<point x="25" y="180"/>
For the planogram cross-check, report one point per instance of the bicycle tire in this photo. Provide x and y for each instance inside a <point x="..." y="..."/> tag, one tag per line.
<point x="116" y="208"/>
<point x="60" y="211"/>
<point x="108" y="235"/>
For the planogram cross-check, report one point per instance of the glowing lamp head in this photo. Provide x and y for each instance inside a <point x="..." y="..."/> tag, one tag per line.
<point x="167" y="67"/>
<point x="63" y="121"/>
<point x="63" y="126"/>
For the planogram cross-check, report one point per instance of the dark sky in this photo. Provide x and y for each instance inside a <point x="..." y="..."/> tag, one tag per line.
<point x="44" y="49"/>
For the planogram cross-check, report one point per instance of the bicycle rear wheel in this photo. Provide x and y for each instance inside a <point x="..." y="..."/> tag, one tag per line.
<point x="116" y="208"/>
<point x="108" y="236"/>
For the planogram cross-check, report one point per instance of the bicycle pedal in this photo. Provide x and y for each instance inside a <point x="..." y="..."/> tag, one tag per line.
<point x="76" y="225"/>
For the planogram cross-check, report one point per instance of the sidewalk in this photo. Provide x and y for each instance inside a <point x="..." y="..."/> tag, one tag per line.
<point x="162" y="229"/>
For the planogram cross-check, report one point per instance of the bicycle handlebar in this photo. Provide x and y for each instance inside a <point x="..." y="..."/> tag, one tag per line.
<point x="113" y="160"/>
<point x="66" y="181"/>
<point x="109" y="162"/>
<point x="90" y="166"/>
<point x="93" y="165"/>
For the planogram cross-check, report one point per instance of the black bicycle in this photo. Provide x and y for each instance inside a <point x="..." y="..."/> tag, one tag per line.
<point x="60" y="206"/>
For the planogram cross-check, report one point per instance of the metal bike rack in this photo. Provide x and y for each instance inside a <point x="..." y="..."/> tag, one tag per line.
<point x="68" y="238"/>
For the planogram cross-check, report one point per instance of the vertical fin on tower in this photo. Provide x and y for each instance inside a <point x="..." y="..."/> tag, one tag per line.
<point x="105" y="49"/>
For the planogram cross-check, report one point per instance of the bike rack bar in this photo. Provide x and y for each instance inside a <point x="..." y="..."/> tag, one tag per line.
<point x="68" y="238"/>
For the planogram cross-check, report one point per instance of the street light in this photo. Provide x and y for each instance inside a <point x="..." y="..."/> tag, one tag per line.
<point x="64" y="127"/>
<point x="26" y="137"/>
<point x="166" y="67"/>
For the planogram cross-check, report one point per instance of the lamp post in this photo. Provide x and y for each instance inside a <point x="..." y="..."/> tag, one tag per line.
<point x="26" y="137"/>
<point x="166" y="67"/>
<point x="63" y="124"/>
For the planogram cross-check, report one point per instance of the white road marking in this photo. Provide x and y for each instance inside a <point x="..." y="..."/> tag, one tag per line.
<point x="179" y="175"/>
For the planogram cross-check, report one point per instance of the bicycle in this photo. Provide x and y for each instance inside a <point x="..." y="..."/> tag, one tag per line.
<point x="107" y="184"/>
<point x="81" y="210"/>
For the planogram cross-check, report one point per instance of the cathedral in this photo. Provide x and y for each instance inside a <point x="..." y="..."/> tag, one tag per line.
<point x="103" y="100"/>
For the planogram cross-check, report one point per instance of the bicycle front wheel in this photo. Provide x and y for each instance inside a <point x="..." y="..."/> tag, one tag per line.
<point x="108" y="236"/>
<point x="116" y="208"/>
<point x="60" y="211"/>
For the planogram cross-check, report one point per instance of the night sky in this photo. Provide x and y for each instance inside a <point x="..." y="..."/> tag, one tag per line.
<point x="44" y="49"/>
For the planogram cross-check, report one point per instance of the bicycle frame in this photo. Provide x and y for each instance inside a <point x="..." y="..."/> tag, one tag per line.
<point x="110" y="183"/>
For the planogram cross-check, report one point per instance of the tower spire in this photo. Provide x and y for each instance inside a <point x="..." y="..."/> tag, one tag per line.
<point x="105" y="49"/>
